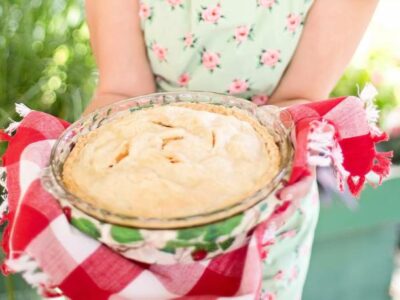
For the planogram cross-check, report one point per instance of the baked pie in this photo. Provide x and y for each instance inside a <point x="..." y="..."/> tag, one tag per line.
<point x="172" y="161"/>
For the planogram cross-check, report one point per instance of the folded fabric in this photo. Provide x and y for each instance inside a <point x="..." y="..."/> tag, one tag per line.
<point x="58" y="259"/>
<point x="341" y="132"/>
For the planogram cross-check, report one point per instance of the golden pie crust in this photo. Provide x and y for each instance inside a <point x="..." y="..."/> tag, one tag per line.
<point x="171" y="161"/>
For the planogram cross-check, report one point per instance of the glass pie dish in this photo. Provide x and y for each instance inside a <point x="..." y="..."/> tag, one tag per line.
<point x="183" y="239"/>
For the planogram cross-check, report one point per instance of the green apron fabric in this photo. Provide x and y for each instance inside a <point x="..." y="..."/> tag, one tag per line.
<point x="228" y="46"/>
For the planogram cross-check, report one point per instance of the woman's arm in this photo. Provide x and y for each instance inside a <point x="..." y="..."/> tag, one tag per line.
<point x="330" y="37"/>
<point x="119" y="48"/>
<point x="331" y="34"/>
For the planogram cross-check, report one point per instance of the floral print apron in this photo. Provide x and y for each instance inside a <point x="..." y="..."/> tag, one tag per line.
<point x="240" y="48"/>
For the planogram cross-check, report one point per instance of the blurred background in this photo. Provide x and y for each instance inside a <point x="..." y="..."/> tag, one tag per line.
<point x="46" y="63"/>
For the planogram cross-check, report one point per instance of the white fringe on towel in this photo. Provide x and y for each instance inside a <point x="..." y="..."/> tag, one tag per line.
<point x="22" y="109"/>
<point x="12" y="127"/>
<point x="320" y="143"/>
<point x="29" y="270"/>
<point x="367" y="96"/>
<point x="4" y="203"/>
<point x="3" y="206"/>
<point x="323" y="150"/>
<point x="3" y="177"/>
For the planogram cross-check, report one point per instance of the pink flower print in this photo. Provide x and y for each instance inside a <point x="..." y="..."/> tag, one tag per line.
<point x="210" y="60"/>
<point x="159" y="52"/>
<point x="279" y="275"/>
<point x="288" y="234"/>
<point x="294" y="273"/>
<point x="211" y="14"/>
<point x="268" y="237"/>
<point x="238" y="86"/>
<point x="145" y="11"/>
<point x="267" y="295"/>
<point x="184" y="79"/>
<point x="292" y="22"/>
<point x="260" y="99"/>
<point x="175" y="3"/>
<point x="242" y="33"/>
<point x="270" y="58"/>
<point x="189" y="40"/>
<point x="266" y="3"/>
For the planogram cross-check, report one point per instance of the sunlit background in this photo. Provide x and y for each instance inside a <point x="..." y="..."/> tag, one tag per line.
<point x="46" y="63"/>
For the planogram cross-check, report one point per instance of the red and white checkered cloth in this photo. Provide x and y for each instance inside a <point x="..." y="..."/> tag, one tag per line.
<point x="39" y="235"/>
<point x="340" y="132"/>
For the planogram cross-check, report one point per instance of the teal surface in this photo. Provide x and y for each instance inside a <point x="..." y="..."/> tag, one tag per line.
<point x="353" y="250"/>
<point x="354" y="266"/>
<point x="376" y="207"/>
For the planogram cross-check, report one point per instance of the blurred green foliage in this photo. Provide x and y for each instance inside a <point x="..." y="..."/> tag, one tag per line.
<point x="46" y="63"/>
<point x="382" y="68"/>
<point x="45" y="57"/>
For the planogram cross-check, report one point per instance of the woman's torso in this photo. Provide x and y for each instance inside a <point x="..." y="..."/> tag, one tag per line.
<point x="222" y="46"/>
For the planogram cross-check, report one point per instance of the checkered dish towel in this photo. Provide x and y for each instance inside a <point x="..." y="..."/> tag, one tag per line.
<point x="58" y="259"/>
